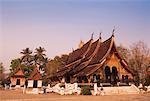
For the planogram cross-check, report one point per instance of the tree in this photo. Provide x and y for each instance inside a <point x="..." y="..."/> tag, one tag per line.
<point x="40" y="59"/>
<point x="123" y="51"/>
<point x="40" y="56"/>
<point x="27" y="59"/>
<point x="1" y="68"/>
<point x="15" y="64"/>
<point x="1" y="72"/>
<point x="56" y="64"/>
<point x="139" y="58"/>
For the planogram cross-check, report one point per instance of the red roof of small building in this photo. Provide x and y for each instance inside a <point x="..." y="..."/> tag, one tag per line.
<point x="19" y="73"/>
<point x="35" y="75"/>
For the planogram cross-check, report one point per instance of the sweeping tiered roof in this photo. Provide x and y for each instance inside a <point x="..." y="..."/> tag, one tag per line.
<point x="90" y="57"/>
<point x="79" y="53"/>
<point x="95" y="62"/>
<point x="75" y="58"/>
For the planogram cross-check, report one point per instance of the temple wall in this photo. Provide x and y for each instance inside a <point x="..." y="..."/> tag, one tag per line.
<point x="115" y="62"/>
<point x="14" y="80"/>
<point x="31" y="83"/>
<point x="112" y="62"/>
<point x="100" y="72"/>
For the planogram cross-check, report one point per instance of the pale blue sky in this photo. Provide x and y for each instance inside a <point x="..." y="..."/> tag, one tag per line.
<point x="59" y="25"/>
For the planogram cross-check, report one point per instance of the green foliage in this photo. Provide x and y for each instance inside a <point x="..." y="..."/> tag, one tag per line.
<point x="40" y="56"/>
<point x="27" y="57"/>
<point x="124" y="52"/>
<point x="54" y="65"/>
<point x="85" y="90"/>
<point x="147" y="81"/>
<point x="1" y="68"/>
<point x="137" y="80"/>
<point x="1" y="73"/>
<point x="28" y="60"/>
<point x="15" y="63"/>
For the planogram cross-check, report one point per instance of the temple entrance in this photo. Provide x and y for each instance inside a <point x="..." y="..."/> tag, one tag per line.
<point x="79" y="79"/>
<point x="84" y="79"/>
<point x="126" y="79"/>
<point x="107" y="74"/>
<point x="98" y="80"/>
<point x="123" y="78"/>
<point x="35" y="83"/>
<point x="18" y="82"/>
<point x="67" y="79"/>
<point x="114" y="75"/>
<point x="94" y="78"/>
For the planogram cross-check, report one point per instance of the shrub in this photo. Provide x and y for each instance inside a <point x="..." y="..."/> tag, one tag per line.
<point x="147" y="81"/>
<point x="85" y="90"/>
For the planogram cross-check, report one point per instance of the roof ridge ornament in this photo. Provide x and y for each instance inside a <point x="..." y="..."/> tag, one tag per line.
<point x="113" y="31"/>
<point x="92" y="35"/>
<point x="72" y="49"/>
<point x="100" y="35"/>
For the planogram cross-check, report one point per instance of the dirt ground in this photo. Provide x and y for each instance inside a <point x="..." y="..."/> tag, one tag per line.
<point x="17" y="95"/>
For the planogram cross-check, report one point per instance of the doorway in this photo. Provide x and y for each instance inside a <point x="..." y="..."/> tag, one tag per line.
<point x="67" y="78"/>
<point x="114" y="75"/>
<point x="35" y="83"/>
<point x="18" y="82"/>
<point x="107" y="74"/>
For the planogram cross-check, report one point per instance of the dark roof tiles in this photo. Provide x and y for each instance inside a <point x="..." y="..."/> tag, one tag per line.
<point x="90" y="52"/>
<point x="79" y="53"/>
<point x="104" y="47"/>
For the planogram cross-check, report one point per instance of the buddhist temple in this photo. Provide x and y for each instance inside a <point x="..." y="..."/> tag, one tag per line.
<point x="35" y="79"/>
<point x="18" y="79"/>
<point x="34" y="82"/>
<point x="95" y="61"/>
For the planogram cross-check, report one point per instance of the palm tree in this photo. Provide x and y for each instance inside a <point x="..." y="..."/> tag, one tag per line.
<point x="39" y="56"/>
<point x="27" y="57"/>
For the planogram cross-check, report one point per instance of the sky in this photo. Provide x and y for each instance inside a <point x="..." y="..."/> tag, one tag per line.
<point x="59" y="25"/>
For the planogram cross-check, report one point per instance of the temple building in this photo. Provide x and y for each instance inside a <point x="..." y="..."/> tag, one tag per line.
<point x="95" y="61"/>
<point x="18" y="79"/>
<point x="35" y="79"/>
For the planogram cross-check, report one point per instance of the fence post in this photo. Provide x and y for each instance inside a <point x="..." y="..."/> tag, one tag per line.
<point x="75" y="86"/>
<point x="95" y="88"/>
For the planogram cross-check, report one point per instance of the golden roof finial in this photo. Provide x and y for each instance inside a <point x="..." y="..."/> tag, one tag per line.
<point x="81" y="43"/>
